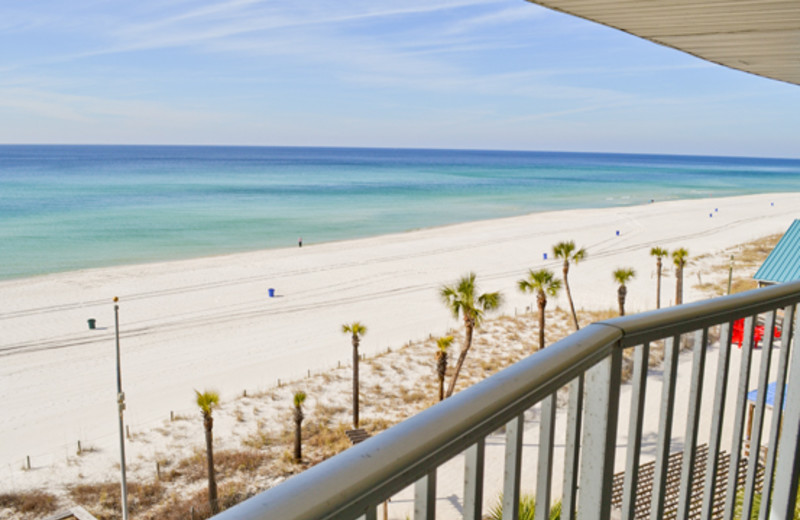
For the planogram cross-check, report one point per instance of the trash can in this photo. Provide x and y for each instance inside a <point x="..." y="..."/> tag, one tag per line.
<point x="92" y="322"/>
<point x="271" y="292"/>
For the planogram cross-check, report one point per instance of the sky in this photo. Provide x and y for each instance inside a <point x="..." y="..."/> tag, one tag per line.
<point x="475" y="74"/>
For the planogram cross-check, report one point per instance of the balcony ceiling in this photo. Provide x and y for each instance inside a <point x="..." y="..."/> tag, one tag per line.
<point x="757" y="36"/>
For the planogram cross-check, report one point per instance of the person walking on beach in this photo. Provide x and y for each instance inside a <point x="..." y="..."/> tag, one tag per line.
<point x="300" y="242"/>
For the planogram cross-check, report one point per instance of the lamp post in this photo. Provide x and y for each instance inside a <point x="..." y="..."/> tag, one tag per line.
<point x="730" y="275"/>
<point x="121" y="407"/>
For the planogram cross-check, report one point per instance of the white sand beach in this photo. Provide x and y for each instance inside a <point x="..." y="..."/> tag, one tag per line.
<point x="209" y="323"/>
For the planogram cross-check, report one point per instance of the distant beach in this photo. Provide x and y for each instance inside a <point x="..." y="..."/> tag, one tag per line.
<point x="66" y="208"/>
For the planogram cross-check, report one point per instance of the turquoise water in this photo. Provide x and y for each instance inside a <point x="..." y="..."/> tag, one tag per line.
<point x="64" y="208"/>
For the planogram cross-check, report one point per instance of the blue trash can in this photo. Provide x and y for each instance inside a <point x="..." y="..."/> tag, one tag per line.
<point x="271" y="293"/>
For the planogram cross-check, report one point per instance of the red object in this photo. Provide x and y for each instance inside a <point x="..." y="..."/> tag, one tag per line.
<point x="738" y="333"/>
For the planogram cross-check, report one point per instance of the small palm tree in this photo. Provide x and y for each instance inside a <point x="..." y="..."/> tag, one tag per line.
<point x="542" y="282"/>
<point x="622" y="276"/>
<point x="527" y="509"/>
<point x="441" y="361"/>
<point x="299" y="398"/>
<point x="462" y="299"/>
<point x="659" y="253"/>
<point x="568" y="252"/>
<point x="207" y="401"/>
<point x="679" y="257"/>
<point x="357" y="330"/>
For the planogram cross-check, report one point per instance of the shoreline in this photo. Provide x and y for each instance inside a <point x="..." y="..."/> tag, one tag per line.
<point x="307" y="243"/>
<point x="209" y="323"/>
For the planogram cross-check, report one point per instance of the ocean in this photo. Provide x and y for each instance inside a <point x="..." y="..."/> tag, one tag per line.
<point x="65" y="208"/>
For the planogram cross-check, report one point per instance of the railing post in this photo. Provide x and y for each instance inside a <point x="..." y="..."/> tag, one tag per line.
<point x="641" y="358"/>
<point x="718" y="411"/>
<point x="671" y="350"/>
<point x="788" y="468"/>
<point x="572" y="449"/>
<point x="599" y="441"/>
<point x="547" y="426"/>
<point x="692" y="423"/>
<point x="739" y="418"/>
<point x="513" y="469"/>
<point x="787" y="333"/>
<point x="473" y="481"/>
<point x="425" y="497"/>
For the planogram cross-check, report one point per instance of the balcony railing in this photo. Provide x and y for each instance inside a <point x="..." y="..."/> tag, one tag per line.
<point x="603" y="432"/>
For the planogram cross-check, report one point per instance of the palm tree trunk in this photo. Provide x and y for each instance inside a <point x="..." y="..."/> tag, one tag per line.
<point x="569" y="297"/>
<point x="679" y="285"/>
<point x="462" y="356"/>
<point x="622" y="292"/>
<point x="658" y="283"/>
<point x="298" y="439"/>
<point x="208" y="422"/>
<point x="441" y="389"/>
<point x="542" y="301"/>
<point x="355" y="381"/>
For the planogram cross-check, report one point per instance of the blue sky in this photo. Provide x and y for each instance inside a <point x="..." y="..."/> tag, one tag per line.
<point x="489" y="74"/>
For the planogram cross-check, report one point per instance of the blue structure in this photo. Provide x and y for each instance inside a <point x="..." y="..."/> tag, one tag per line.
<point x="783" y="263"/>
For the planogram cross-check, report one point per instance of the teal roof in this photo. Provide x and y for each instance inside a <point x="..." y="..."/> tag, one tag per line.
<point x="783" y="263"/>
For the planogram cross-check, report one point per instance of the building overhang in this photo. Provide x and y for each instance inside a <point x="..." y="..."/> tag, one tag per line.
<point x="761" y="37"/>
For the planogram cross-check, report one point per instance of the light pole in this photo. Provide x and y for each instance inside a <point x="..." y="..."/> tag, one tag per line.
<point x="730" y="275"/>
<point x="121" y="407"/>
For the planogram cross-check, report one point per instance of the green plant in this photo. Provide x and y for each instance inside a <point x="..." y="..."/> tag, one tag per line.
<point x="527" y="509"/>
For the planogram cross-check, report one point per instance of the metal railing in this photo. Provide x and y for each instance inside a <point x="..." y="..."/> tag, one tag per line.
<point x="591" y="363"/>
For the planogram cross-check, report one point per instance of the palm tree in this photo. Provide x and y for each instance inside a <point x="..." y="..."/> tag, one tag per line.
<point x="357" y="330"/>
<point x="207" y="401"/>
<point x="542" y="282"/>
<point x="299" y="398"/>
<point x="567" y="251"/>
<point x="441" y="361"/>
<point x="621" y="276"/>
<point x="462" y="299"/>
<point x="679" y="257"/>
<point x="658" y="253"/>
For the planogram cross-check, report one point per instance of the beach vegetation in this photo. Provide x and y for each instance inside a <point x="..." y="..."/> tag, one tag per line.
<point x="679" y="258"/>
<point x="463" y="299"/>
<point x="527" y="509"/>
<point x="442" y="344"/>
<point x="103" y="499"/>
<point x="622" y="276"/>
<point x="32" y="503"/>
<point x="543" y="283"/>
<point x="207" y="401"/>
<point x="356" y="331"/>
<point x="569" y="253"/>
<point x="659" y="253"/>
<point x="299" y="399"/>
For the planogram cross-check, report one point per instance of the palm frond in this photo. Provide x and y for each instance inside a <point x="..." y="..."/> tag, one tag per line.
<point x="356" y="328"/>
<point x="207" y="400"/>
<point x="679" y="256"/>
<point x="658" y="252"/>
<point x="623" y="275"/>
<point x="444" y="342"/>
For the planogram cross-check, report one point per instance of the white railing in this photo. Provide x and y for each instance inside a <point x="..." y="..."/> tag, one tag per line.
<point x="597" y="443"/>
